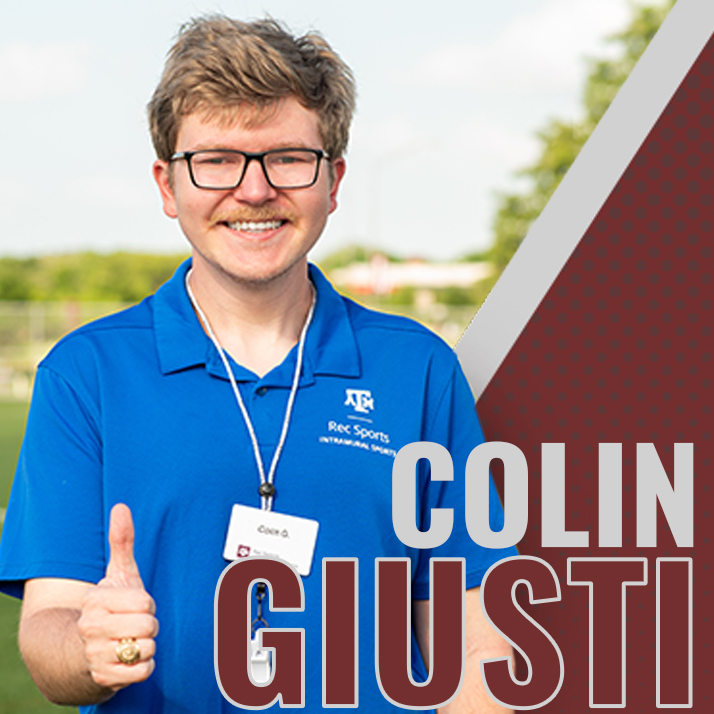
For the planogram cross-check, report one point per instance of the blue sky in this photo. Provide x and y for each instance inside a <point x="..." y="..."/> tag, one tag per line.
<point x="450" y="94"/>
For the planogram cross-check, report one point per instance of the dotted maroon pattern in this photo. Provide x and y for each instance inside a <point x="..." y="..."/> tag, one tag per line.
<point x="620" y="350"/>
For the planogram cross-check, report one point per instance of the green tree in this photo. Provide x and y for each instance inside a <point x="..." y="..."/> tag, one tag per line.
<point x="16" y="278"/>
<point x="561" y="141"/>
<point x="116" y="277"/>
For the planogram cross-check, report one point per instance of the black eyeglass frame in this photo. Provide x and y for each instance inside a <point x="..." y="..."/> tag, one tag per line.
<point x="249" y="156"/>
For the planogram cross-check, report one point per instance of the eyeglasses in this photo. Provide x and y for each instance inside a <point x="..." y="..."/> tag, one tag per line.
<point x="224" y="169"/>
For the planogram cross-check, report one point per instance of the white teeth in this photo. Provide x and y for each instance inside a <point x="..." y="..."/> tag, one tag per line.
<point x="255" y="227"/>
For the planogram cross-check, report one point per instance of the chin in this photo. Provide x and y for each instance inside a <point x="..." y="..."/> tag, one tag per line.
<point x="259" y="267"/>
<point x="260" y="275"/>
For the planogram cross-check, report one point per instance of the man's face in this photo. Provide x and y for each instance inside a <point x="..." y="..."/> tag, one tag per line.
<point x="216" y="222"/>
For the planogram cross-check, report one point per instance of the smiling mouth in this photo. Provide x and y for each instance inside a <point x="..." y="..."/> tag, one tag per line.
<point x="254" y="226"/>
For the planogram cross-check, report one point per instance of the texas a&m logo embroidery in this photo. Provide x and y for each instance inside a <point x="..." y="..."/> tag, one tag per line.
<point x="361" y="399"/>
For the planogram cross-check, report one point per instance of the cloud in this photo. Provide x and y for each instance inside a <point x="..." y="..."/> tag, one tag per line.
<point x="13" y="194"/>
<point x="540" y="51"/>
<point x="493" y="144"/>
<point x="389" y="137"/>
<point x="110" y="191"/>
<point x="30" y="72"/>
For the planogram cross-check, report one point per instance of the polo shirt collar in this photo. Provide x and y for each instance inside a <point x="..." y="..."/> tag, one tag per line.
<point x="330" y="347"/>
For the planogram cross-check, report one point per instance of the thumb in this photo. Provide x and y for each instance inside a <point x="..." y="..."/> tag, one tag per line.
<point x="122" y="569"/>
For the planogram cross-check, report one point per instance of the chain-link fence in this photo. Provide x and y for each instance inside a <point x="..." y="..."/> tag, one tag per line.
<point x="448" y="321"/>
<point x="27" y="332"/>
<point x="29" y="329"/>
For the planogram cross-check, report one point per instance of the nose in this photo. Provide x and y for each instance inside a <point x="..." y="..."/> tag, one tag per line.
<point x="254" y="188"/>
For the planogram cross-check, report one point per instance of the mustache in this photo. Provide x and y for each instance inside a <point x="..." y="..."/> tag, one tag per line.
<point x="257" y="214"/>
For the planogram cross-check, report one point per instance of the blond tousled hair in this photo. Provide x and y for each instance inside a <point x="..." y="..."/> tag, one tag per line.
<point x="225" y="69"/>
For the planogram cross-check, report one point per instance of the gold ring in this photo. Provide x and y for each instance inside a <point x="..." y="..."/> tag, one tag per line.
<point x="128" y="651"/>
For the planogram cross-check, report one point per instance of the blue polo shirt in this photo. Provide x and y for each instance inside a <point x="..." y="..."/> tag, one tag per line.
<point x="137" y="408"/>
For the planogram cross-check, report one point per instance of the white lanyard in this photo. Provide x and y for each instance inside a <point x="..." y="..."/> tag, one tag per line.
<point x="267" y="489"/>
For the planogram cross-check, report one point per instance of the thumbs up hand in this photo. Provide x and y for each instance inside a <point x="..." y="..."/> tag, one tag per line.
<point x="122" y="570"/>
<point x="118" y="613"/>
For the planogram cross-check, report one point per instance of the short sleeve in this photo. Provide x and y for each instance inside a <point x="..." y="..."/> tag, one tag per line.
<point x="454" y="423"/>
<point x="54" y="523"/>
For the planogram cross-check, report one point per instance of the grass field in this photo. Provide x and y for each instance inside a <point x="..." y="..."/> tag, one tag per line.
<point x="18" y="694"/>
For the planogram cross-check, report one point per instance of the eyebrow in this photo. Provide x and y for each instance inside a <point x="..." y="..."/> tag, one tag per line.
<point x="206" y="146"/>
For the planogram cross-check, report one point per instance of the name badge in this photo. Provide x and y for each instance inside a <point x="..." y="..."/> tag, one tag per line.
<point x="253" y="531"/>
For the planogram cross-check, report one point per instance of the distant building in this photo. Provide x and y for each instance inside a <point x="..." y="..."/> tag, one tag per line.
<point x="380" y="276"/>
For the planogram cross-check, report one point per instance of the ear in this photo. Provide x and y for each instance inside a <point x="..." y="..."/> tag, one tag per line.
<point x="338" y="171"/>
<point x="162" y="176"/>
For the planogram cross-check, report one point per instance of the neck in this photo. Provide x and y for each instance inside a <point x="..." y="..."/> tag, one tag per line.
<point x="257" y="324"/>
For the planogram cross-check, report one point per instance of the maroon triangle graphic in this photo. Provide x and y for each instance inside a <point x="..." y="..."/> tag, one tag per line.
<point x="617" y="349"/>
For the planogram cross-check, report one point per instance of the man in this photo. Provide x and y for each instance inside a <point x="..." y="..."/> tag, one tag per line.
<point x="245" y="380"/>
